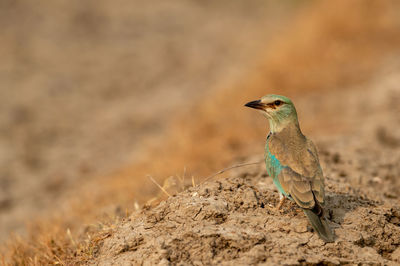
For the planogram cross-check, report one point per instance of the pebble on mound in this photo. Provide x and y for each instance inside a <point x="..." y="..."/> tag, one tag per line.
<point x="232" y="221"/>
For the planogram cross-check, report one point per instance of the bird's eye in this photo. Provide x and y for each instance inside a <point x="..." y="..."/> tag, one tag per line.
<point x="277" y="102"/>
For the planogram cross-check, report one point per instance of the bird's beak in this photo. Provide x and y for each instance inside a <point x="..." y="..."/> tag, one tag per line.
<point x="255" y="104"/>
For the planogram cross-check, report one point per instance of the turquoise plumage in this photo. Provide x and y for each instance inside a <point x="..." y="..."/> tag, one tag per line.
<point x="274" y="167"/>
<point x="292" y="161"/>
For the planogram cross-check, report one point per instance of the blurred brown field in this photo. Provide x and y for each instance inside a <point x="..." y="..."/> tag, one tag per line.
<point x="318" y="49"/>
<point x="83" y="84"/>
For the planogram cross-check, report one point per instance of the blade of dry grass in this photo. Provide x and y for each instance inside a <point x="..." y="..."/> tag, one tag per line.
<point x="230" y="168"/>
<point x="158" y="185"/>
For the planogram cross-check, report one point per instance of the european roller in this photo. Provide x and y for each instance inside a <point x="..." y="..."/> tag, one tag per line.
<point x="292" y="161"/>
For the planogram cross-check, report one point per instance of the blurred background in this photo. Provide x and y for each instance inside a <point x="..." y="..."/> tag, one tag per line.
<point x="84" y="84"/>
<point x="96" y="95"/>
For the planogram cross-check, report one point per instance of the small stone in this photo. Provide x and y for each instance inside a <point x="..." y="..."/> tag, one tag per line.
<point x="377" y="180"/>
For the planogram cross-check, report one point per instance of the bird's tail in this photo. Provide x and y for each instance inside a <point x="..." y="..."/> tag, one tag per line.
<point x="320" y="225"/>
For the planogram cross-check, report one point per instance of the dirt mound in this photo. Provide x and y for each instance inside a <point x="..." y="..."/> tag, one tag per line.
<point x="233" y="220"/>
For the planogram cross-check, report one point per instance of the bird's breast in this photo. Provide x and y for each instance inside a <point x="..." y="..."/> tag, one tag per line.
<point x="272" y="163"/>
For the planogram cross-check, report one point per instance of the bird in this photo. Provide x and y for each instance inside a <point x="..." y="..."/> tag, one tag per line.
<point x="292" y="161"/>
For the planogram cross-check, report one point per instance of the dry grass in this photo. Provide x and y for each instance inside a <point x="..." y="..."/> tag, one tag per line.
<point x="330" y="45"/>
<point x="53" y="242"/>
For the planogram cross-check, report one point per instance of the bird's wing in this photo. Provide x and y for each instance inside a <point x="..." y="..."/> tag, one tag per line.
<point x="317" y="182"/>
<point x="301" y="176"/>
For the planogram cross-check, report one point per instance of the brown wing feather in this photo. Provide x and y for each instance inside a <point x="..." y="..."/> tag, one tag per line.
<point x="318" y="182"/>
<point x="302" y="178"/>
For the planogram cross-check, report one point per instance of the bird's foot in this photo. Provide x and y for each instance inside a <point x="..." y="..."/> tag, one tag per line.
<point x="281" y="201"/>
<point x="278" y="207"/>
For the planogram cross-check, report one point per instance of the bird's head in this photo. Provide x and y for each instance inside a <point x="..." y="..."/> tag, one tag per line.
<point x="279" y="110"/>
